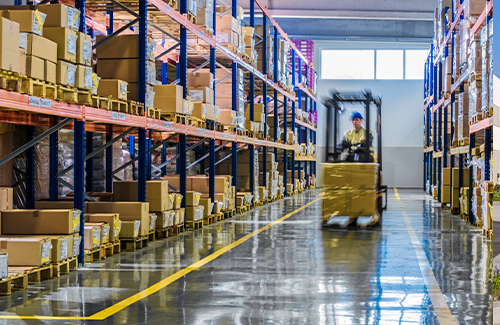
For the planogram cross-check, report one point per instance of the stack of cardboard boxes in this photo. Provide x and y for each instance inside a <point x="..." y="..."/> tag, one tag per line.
<point x="274" y="181"/>
<point x="205" y="16"/>
<point x="249" y="41"/>
<point x="35" y="237"/>
<point x="448" y="189"/>
<point x="487" y="68"/>
<point x="118" y="59"/>
<point x="201" y="92"/>
<point x="228" y="30"/>
<point x="194" y="211"/>
<point x="259" y="118"/>
<point x="259" y="49"/>
<point x="350" y="190"/>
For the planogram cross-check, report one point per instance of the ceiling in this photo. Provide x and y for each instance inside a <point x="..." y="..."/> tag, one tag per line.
<point x="396" y="20"/>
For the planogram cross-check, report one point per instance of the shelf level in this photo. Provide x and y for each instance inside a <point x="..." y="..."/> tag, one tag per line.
<point x="484" y="124"/>
<point x="308" y="93"/>
<point x="459" y="150"/>
<point x="448" y="37"/>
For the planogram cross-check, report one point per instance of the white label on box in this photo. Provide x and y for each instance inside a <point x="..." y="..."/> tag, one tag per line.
<point x="70" y="74"/>
<point x="73" y="17"/>
<point x="64" y="249"/>
<point x="45" y="103"/>
<point x="150" y="98"/>
<point x="34" y="101"/>
<point x="88" y="81"/>
<point x="222" y="38"/>
<point x="87" y="51"/>
<point x="72" y="40"/>
<point x="196" y="95"/>
<point x="38" y="22"/>
<point x="167" y="124"/>
<point x="123" y="90"/>
<point x="46" y="250"/>
<point x="23" y="41"/>
<point x="118" y="116"/>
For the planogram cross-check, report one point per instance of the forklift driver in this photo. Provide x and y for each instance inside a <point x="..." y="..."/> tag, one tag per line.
<point x="355" y="141"/>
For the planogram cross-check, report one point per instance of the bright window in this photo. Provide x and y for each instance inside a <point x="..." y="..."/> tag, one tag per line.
<point x="414" y="65"/>
<point x="390" y="64"/>
<point x="347" y="64"/>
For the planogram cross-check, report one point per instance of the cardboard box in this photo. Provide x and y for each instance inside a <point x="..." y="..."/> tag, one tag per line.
<point x="92" y="236"/>
<point x="169" y="104"/>
<point x="66" y="73"/>
<point x="201" y="184"/>
<point x="83" y="77"/>
<point x="128" y="211"/>
<point x="50" y="72"/>
<point x="165" y="219"/>
<point x="207" y="206"/>
<point x="112" y="219"/>
<point x="41" y="47"/>
<point x="199" y="110"/>
<point x="6" y="198"/>
<point x="336" y="203"/>
<point x="26" y="251"/>
<point x="84" y="50"/>
<point x="66" y="40"/>
<point x="200" y="79"/>
<point x="35" y="67"/>
<point x="194" y="213"/>
<point x="30" y="21"/>
<point x="192" y="198"/>
<point x="445" y="193"/>
<point x="177" y="201"/>
<point x="226" y="23"/>
<point x="48" y="205"/>
<point x="112" y="87"/>
<point x="156" y="193"/>
<point x="130" y="229"/>
<point x="122" y="47"/>
<point x="60" y="15"/>
<point x="105" y="230"/>
<point x="465" y="175"/>
<point x="363" y="202"/>
<point x="227" y="117"/>
<point x="22" y="61"/>
<point x="201" y="94"/>
<point x="75" y="247"/>
<point x="59" y="250"/>
<point x="4" y="263"/>
<point x="40" y="222"/>
<point x="124" y="69"/>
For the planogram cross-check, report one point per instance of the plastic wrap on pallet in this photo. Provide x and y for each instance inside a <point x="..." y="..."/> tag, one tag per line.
<point x="474" y="57"/>
<point x="76" y="245"/>
<point x="474" y="101"/>
<point x="64" y="248"/>
<point x="150" y="98"/>
<point x="4" y="263"/>
<point x="46" y="252"/>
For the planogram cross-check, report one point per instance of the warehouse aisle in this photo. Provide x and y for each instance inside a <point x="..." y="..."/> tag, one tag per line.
<point x="293" y="272"/>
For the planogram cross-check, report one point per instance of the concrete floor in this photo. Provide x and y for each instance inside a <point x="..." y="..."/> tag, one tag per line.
<point x="294" y="272"/>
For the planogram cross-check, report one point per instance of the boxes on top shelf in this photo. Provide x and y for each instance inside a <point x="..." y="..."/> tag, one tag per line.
<point x="84" y="49"/>
<point x="124" y="47"/>
<point x="30" y="21"/>
<point x="60" y="15"/>
<point x="9" y="51"/>
<point x="66" y="40"/>
<point x="66" y="73"/>
<point x="113" y="87"/>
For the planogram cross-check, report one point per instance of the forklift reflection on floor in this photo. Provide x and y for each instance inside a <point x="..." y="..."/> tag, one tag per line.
<point x="361" y="152"/>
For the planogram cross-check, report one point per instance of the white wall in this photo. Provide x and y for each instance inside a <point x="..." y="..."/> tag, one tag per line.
<point x="402" y="116"/>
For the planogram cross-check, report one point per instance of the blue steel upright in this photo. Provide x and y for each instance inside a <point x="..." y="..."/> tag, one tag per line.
<point x="211" y="147"/>
<point x="440" y="129"/>
<point x="30" y="169"/>
<point x="472" y="144"/>
<point x="487" y="152"/>
<point x="164" y="159"/>
<point x="109" y="159"/>
<point x="285" y="152"/>
<point x="299" y="129"/>
<point x="293" y="118"/>
<point x="182" y="71"/>
<point x="143" y="164"/>
<point x="251" y="95"/>
<point x="234" y="71"/>
<point x="79" y="180"/>
<point x="148" y="156"/>
<point x="275" y="75"/>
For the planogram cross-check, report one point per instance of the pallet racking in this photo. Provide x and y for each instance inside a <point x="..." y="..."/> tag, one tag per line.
<point x="150" y="133"/>
<point x="438" y="106"/>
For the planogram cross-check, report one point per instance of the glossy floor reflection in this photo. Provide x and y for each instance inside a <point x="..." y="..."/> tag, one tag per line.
<point x="293" y="273"/>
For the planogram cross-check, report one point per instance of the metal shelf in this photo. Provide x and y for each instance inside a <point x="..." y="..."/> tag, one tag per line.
<point x="459" y="150"/>
<point x="305" y="159"/>
<point x="448" y="37"/>
<point x="484" y="124"/>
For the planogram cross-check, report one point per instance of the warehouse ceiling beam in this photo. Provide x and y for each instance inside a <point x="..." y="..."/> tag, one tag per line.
<point x="206" y="155"/>
<point x="36" y="140"/>
<point x="124" y="28"/>
<point x="156" y="146"/>
<point x="197" y="144"/>
<point x="95" y="152"/>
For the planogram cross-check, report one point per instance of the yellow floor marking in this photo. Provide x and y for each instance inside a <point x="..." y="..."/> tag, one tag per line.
<point x="439" y="304"/>
<point x="165" y="282"/>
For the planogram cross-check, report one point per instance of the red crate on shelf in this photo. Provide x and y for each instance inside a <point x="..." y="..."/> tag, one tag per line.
<point x="306" y="47"/>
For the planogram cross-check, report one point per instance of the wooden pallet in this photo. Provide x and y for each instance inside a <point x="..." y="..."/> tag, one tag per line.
<point x="205" y="30"/>
<point x="475" y="119"/>
<point x="154" y="113"/>
<point x="241" y="209"/>
<point x="193" y="225"/>
<point x="178" y="229"/>
<point x="14" y="281"/>
<point x="487" y="113"/>
<point x="191" y="17"/>
<point x="33" y="87"/>
<point x="118" y="105"/>
<point x="152" y="236"/>
<point x="92" y="255"/>
<point x="488" y="233"/>
<point x="67" y="94"/>
<point x="210" y="124"/>
<point x="84" y="97"/>
<point x="195" y="122"/>
<point x="463" y="142"/>
<point x="35" y="274"/>
<point x="133" y="244"/>
<point x="171" y="3"/>
<point x="219" y="127"/>
<point x="10" y="81"/>
<point x="135" y="108"/>
<point x="229" y="213"/>
<point x="110" y="249"/>
<point x="208" y="220"/>
<point x="63" y="267"/>
<point x="174" y="117"/>
<point x="101" y="102"/>
<point x="259" y="135"/>
<point x="163" y="232"/>
<point x="219" y="217"/>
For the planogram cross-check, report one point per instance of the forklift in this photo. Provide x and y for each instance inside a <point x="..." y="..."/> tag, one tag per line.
<point x="345" y="152"/>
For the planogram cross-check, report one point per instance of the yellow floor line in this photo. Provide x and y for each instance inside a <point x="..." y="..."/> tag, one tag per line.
<point x="439" y="304"/>
<point x="165" y="282"/>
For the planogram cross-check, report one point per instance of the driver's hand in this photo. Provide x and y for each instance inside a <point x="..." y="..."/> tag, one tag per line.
<point x="363" y="140"/>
